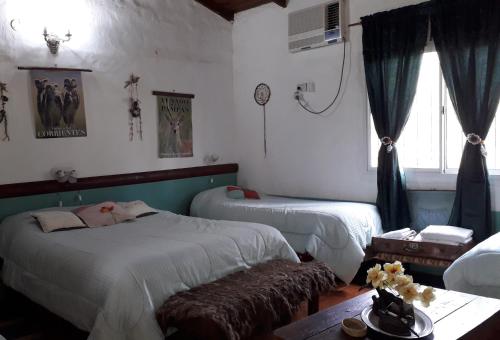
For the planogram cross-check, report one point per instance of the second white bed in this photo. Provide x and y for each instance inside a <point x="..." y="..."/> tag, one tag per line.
<point x="478" y="270"/>
<point x="333" y="232"/>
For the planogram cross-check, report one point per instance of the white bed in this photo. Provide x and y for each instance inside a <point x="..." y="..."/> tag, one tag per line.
<point x="110" y="280"/>
<point x="478" y="270"/>
<point x="333" y="232"/>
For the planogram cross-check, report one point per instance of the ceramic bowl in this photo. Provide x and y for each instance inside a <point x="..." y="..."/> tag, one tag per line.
<point x="354" y="327"/>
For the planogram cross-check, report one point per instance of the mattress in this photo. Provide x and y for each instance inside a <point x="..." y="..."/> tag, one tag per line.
<point x="110" y="280"/>
<point x="333" y="232"/>
<point x="478" y="270"/>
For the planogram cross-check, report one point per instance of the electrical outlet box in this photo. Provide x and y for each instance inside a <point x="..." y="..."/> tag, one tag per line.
<point x="307" y="87"/>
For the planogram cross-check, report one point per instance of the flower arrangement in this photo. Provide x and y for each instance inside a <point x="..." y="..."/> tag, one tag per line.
<point x="393" y="279"/>
<point x="397" y="292"/>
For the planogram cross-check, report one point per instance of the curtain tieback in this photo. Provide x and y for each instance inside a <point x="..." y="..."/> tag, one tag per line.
<point x="387" y="141"/>
<point x="475" y="139"/>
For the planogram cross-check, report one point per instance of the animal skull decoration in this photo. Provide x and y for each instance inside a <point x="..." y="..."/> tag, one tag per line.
<point x="262" y="95"/>
<point x="134" y="105"/>
<point x="53" y="41"/>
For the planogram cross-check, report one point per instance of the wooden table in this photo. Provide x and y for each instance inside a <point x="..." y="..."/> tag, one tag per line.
<point x="455" y="315"/>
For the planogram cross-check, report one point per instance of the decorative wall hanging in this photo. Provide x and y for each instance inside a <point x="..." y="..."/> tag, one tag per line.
<point x="3" y="113"/>
<point x="53" y="41"/>
<point x="175" y="127"/>
<point x="262" y="95"/>
<point x="58" y="101"/>
<point x="134" y="106"/>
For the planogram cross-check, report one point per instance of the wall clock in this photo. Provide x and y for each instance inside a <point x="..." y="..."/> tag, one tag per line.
<point x="262" y="95"/>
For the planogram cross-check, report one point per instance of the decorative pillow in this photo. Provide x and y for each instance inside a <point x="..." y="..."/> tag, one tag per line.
<point x="240" y="193"/>
<point x="251" y="194"/>
<point x="138" y="209"/>
<point x="56" y="220"/>
<point x="236" y="194"/>
<point x="103" y="214"/>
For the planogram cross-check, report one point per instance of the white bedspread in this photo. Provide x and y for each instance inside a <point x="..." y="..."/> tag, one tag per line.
<point x="110" y="280"/>
<point x="333" y="232"/>
<point x="478" y="270"/>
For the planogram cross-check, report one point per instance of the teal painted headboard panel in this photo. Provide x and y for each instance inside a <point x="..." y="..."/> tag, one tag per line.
<point x="434" y="207"/>
<point x="172" y="195"/>
<point x="430" y="207"/>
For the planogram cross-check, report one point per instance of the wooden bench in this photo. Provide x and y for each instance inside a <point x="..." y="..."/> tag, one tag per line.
<point x="246" y="303"/>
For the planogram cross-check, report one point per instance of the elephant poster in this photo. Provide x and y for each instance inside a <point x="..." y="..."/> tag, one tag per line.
<point x="58" y="102"/>
<point x="175" y="128"/>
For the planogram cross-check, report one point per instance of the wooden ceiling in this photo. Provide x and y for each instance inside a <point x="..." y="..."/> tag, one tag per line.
<point x="228" y="8"/>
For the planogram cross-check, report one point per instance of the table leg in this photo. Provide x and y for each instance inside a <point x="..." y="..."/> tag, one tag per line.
<point x="313" y="304"/>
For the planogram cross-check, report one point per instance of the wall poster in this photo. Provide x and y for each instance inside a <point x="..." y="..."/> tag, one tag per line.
<point x="59" y="105"/>
<point x="175" y="127"/>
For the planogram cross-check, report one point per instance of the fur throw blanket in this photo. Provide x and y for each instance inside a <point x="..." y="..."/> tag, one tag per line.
<point x="246" y="303"/>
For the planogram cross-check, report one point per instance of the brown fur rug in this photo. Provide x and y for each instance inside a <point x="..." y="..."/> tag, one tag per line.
<point x="246" y="303"/>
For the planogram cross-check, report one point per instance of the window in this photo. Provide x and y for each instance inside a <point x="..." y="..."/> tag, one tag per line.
<point x="432" y="139"/>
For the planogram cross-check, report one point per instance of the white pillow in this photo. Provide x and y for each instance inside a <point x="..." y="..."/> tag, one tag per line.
<point x="138" y="208"/>
<point x="56" y="220"/>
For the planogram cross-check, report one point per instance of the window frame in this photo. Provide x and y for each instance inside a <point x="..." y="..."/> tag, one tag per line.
<point x="443" y="131"/>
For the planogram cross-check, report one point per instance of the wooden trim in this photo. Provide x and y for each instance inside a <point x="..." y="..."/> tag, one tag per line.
<point x="228" y="15"/>
<point x="227" y="9"/>
<point x="282" y="3"/>
<point x="53" y="68"/>
<point x="173" y="94"/>
<point x="46" y="187"/>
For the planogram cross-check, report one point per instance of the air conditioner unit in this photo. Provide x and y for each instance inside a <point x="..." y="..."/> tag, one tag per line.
<point x="317" y="26"/>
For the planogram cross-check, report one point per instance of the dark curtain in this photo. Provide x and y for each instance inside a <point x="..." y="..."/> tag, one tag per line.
<point x="393" y="44"/>
<point x="467" y="37"/>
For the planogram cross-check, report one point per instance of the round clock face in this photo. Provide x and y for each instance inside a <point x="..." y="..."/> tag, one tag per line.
<point x="262" y="94"/>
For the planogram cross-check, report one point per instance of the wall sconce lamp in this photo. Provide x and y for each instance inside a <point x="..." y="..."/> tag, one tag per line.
<point x="63" y="176"/>
<point x="53" y="41"/>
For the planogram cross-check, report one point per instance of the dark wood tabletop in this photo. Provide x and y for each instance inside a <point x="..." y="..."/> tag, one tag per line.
<point x="455" y="315"/>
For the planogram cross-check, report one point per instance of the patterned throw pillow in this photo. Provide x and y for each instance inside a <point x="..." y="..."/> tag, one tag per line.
<point x="103" y="214"/>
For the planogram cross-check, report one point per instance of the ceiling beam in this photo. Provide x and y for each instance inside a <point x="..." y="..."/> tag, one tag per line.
<point x="282" y="3"/>
<point x="228" y="15"/>
<point x="228" y="8"/>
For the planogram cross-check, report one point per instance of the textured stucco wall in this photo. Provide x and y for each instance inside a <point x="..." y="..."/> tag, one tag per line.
<point x="309" y="156"/>
<point x="171" y="44"/>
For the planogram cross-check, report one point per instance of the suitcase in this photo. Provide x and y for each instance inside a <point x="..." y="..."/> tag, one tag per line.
<point x="422" y="249"/>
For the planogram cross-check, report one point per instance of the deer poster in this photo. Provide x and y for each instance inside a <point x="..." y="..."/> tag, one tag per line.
<point x="58" y="101"/>
<point x="175" y="127"/>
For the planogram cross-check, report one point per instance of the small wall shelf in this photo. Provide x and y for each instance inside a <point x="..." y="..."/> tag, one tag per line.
<point x="173" y="94"/>
<point x="52" y="68"/>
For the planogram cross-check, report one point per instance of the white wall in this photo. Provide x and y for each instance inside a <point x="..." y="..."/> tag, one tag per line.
<point x="308" y="156"/>
<point x="171" y="44"/>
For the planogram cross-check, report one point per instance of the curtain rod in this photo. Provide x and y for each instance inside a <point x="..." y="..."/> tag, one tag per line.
<point x="355" y="24"/>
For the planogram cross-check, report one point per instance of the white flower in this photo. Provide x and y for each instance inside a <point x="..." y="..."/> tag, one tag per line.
<point x="376" y="276"/>
<point x="427" y="296"/>
<point x="401" y="281"/>
<point x="393" y="270"/>
<point x="409" y="293"/>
